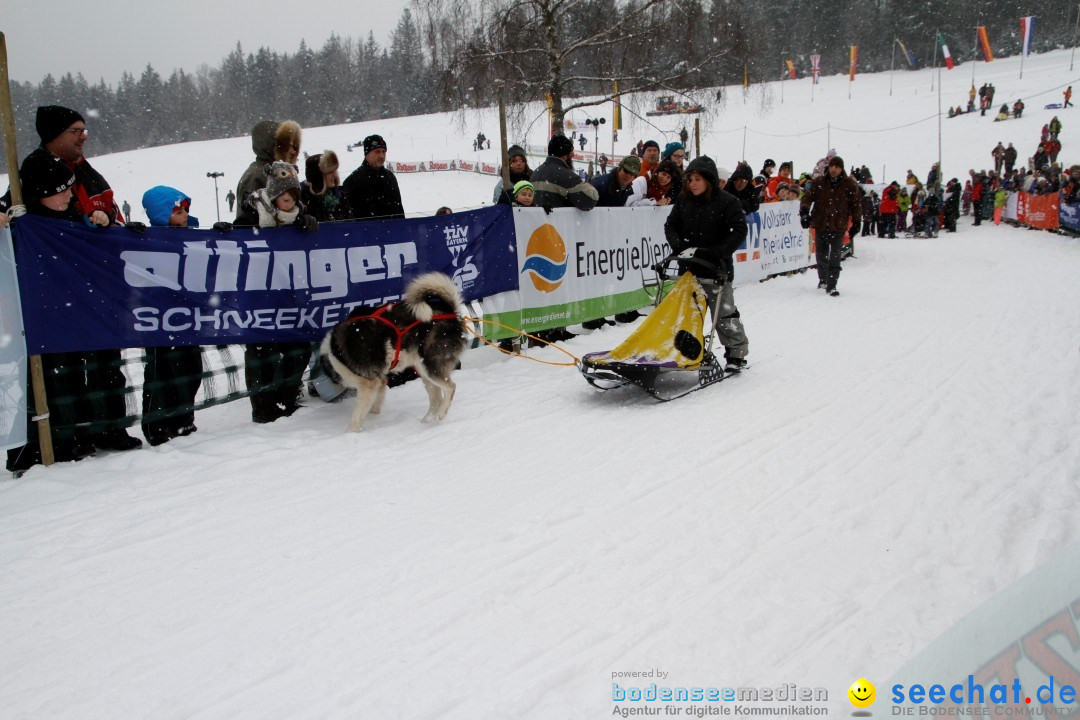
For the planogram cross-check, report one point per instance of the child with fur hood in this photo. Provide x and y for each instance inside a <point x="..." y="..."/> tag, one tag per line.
<point x="278" y="203"/>
<point x="321" y="193"/>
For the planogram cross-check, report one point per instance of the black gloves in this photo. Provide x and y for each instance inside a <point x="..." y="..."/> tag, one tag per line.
<point x="222" y="226"/>
<point x="662" y="266"/>
<point x="135" y="227"/>
<point x="547" y="209"/>
<point x="804" y="218"/>
<point x="307" y="223"/>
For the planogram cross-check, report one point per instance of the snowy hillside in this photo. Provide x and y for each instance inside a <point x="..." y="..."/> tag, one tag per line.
<point x="892" y="460"/>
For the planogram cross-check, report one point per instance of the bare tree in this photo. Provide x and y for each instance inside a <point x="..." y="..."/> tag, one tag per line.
<point x="564" y="47"/>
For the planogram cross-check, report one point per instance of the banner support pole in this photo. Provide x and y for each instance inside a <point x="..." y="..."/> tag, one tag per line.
<point x="37" y="372"/>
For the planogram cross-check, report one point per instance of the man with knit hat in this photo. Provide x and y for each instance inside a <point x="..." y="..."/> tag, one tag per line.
<point x="650" y="157"/>
<point x="372" y="190"/>
<point x="51" y="188"/>
<point x="556" y="184"/>
<point x="830" y="206"/>
<point x="63" y="133"/>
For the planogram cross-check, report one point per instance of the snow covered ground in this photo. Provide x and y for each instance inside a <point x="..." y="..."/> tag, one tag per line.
<point x="892" y="460"/>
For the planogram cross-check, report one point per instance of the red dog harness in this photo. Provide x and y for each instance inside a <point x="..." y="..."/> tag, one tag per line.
<point x="378" y="315"/>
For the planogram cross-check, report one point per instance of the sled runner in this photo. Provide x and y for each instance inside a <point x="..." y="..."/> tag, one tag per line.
<point x="668" y="355"/>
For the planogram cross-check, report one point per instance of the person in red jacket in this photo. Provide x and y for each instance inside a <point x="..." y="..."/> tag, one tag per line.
<point x="888" y="210"/>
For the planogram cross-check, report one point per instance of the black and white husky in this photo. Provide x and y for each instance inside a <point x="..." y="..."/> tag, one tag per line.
<point x="423" y="331"/>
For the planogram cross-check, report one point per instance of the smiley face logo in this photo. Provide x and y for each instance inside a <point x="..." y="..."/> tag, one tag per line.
<point x="862" y="693"/>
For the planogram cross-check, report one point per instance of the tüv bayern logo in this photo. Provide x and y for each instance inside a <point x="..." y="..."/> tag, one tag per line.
<point x="545" y="259"/>
<point x="457" y="241"/>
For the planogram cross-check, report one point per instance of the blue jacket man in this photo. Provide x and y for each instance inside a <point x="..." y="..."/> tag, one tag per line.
<point x="615" y="187"/>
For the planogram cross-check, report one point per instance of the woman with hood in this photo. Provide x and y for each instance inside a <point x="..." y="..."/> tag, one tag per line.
<point x="270" y="141"/>
<point x="708" y="224"/>
<point x="519" y="170"/>
<point x="744" y="191"/>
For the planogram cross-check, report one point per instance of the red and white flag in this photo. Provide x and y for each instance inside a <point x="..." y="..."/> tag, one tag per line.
<point x="945" y="51"/>
<point x="815" y="67"/>
<point x="1027" y="32"/>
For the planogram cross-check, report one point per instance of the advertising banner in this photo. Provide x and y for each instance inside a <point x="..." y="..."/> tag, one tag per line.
<point x="776" y="243"/>
<point x="1038" y="211"/>
<point x="12" y="352"/>
<point x="88" y="288"/>
<point x="575" y="266"/>
<point x="1011" y="203"/>
<point x="1069" y="216"/>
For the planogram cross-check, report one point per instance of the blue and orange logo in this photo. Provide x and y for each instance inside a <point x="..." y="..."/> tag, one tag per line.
<point x="545" y="259"/>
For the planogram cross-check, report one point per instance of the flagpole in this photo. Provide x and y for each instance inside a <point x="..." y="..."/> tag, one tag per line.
<point x="1075" y="30"/>
<point x="783" y="77"/>
<point x="974" y="56"/>
<point x="892" y="64"/>
<point x="937" y="40"/>
<point x="939" y="168"/>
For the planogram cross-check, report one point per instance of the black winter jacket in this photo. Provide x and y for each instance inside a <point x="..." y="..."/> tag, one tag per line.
<point x="90" y="189"/>
<point x="715" y="226"/>
<point x="372" y="193"/>
<point x="556" y="185"/>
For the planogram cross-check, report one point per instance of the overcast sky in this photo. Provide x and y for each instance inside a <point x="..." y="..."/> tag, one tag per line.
<point x="102" y="39"/>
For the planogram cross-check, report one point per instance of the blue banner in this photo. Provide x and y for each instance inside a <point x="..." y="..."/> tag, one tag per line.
<point x="1069" y="215"/>
<point x="89" y="288"/>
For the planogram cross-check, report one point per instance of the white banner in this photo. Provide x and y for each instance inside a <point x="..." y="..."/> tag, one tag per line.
<point x="1012" y="204"/>
<point x="12" y="352"/>
<point x="576" y="266"/>
<point x="776" y="243"/>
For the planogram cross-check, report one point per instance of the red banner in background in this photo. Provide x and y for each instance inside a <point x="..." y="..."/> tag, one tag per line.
<point x="1038" y="211"/>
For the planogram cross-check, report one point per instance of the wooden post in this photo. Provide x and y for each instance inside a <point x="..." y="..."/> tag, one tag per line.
<point x="502" y="138"/>
<point x="37" y="374"/>
<point x="697" y="137"/>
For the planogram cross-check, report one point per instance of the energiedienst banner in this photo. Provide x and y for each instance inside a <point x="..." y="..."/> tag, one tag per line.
<point x="89" y="288"/>
<point x="577" y="266"/>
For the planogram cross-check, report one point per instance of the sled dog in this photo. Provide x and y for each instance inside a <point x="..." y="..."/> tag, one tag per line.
<point x="422" y="331"/>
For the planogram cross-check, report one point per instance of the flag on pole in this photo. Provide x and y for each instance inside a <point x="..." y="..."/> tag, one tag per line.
<point x="984" y="42"/>
<point x="1027" y="32"/>
<point x="745" y="74"/>
<point x="551" y="116"/>
<point x="945" y="52"/>
<point x="815" y="67"/>
<point x="907" y="53"/>
<point x="854" y="62"/>
<point x="790" y="69"/>
<point x="616" y="115"/>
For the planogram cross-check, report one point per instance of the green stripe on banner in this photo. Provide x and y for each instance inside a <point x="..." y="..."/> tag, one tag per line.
<point x="552" y="316"/>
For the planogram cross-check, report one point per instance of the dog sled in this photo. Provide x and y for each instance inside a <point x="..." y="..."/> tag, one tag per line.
<point x="669" y="355"/>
